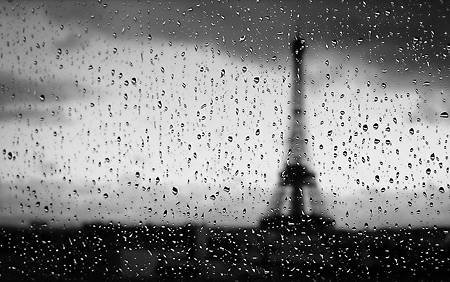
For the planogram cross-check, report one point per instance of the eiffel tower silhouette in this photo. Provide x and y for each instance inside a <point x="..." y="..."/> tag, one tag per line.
<point x="295" y="174"/>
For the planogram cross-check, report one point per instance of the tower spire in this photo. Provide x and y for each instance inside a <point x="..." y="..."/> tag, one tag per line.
<point x="297" y="146"/>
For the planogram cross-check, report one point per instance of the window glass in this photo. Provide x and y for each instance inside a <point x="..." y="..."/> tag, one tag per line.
<point x="224" y="139"/>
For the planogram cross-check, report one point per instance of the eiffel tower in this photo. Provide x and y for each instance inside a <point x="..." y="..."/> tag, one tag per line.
<point x="295" y="174"/>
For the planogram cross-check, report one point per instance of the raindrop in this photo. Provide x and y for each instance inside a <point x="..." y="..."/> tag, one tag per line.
<point x="365" y="127"/>
<point x="42" y="98"/>
<point x="175" y="190"/>
<point x="444" y="115"/>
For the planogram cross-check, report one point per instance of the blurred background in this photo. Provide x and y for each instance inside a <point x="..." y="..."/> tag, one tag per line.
<point x="175" y="112"/>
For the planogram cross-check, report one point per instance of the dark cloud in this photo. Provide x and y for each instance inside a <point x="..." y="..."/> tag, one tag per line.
<point x="263" y="29"/>
<point x="15" y="89"/>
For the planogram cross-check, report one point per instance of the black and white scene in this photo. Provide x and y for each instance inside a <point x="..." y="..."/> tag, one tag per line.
<point x="224" y="140"/>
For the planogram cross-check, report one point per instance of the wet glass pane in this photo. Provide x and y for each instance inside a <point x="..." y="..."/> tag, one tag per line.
<point x="224" y="140"/>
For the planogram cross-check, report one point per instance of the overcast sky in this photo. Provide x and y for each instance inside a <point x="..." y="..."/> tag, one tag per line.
<point x="173" y="112"/>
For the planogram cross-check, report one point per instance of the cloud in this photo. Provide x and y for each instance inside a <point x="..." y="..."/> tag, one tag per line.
<point x="183" y="107"/>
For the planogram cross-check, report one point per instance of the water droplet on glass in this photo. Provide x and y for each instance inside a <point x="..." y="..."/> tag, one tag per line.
<point x="365" y="127"/>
